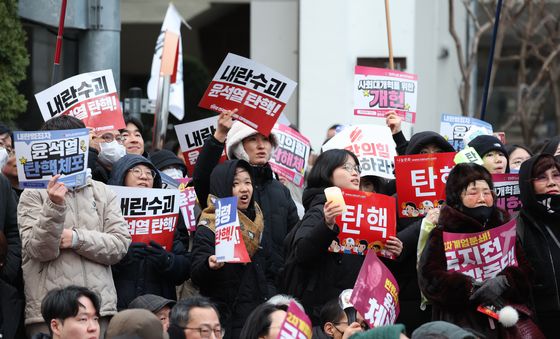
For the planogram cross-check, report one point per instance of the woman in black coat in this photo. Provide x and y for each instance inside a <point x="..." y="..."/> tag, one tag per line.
<point x="538" y="228"/>
<point x="470" y="208"/>
<point x="235" y="288"/>
<point x="328" y="273"/>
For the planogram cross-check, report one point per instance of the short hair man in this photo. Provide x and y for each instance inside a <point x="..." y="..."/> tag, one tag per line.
<point x="193" y="318"/>
<point x="71" y="313"/>
<point x="132" y="134"/>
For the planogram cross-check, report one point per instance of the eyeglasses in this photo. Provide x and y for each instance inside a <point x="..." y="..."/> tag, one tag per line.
<point x="205" y="332"/>
<point x="137" y="172"/>
<point x="544" y="178"/>
<point x="108" y="137"/>
<point x="349" y="167"/>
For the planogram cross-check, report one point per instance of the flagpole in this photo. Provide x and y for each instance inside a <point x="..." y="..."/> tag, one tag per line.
<point x="58" y="49"/>
<point x="490" y="61"/>
<point x="389" y="39"/>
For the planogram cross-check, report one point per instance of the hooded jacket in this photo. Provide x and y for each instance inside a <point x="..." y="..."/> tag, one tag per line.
<point x="422" y="139"/>
<point x="135" y="277"/>
<point x="236" y="289"/>
<point x="328" y="273"/>
<point x="280" y="211"/>
<point x="542" y="251"/>
<point x="449" y="291"/>
<point x="92" y="211"/>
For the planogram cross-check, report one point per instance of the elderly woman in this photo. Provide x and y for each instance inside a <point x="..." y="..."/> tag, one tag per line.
<point x="538" y="227"/>
<point x="469" y="208"/>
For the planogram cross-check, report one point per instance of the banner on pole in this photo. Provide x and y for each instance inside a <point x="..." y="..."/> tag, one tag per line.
<point x="378" y="91"/>
<point x="369" y="220"/>
<point x="151" y="213"/>
<point x="421" y="182"/>
<point x="91" y="97"/>
<point x="258" y="92"/>
<point x="290" y="156"/>
<point x="43" y="154"/>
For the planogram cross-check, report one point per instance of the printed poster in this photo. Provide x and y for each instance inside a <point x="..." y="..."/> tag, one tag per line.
<point x="187" y="202"/>
<point x="289" y="159"/>
<point x="91" y="97"/>
<point x="372" y="144"/>
<point x="508" y="196"/>
<point x="376" y="293"/>
<point x="369" y="220"/>
<point x="191" y="136"/>
<point x="43" y="154"/>
<point x="229" y="242"/>
<point x="151" y="213"/>
<point x="296" y="325"/>
<point x="378" y="91"/>
<point x="421" y="180"/>
<point x="454" y="128"/>
<point x="258" y="92"/>
<point x="481" y="255"/>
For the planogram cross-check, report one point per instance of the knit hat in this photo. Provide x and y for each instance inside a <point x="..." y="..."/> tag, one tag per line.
<point x="165" y="158"/>
<point x="486" y="143"/>
<point x="459" y="179"/>
<point x="234" y="140"/>
<point x="443" y="329"/>
<point x="141" y="323"/>
<point x="151" y="302"/>
<point x="382" y="332"/>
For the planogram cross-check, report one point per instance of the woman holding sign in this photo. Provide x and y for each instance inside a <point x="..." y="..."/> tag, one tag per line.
<point x="467" y="267"/>
<point x="236" y="288"/>
<point x="325" y="274"/>
<point x="538" y="227"/>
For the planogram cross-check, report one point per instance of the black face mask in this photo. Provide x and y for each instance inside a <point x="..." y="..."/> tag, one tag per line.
<point x="549" y="202"/>
<point x="480" y="214"/>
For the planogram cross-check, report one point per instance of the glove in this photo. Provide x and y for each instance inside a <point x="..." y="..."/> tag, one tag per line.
<point x="490" y="290"/>
<point x="137" y="250"/>
<point x="158" y="255"/>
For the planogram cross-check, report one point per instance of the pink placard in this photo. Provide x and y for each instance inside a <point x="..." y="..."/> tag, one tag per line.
<point x="481" y="255"/>
<point x="296" y="325"/>
<point x="376" y="293"/>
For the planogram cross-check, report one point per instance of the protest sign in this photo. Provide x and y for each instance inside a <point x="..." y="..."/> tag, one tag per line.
<point x="378" y="91"/>
<point x="454" y="127"/>
<point x="296" y="325"/>
<point x="376" y="293"/>
<point x="187" y="202"/>
<point x="151" y="213"/>
<point x="369" y="220"/>
<point x="373" y="145"/>
<point x="258" y="92"/>
<point x="191" y="136"/>
<point x="43" y="154"/>
<point x="481" y="255"/>
<point x="289" y="159"/>
<point x="230" y="246"/>
<point x="468" y="155"/>
<point x="91" y="97"/>
<point x="506" y="187"/>
<point x="421" y="182"/>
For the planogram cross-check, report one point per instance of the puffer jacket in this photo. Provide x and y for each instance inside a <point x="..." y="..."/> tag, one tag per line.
<point x="93" y="212"/>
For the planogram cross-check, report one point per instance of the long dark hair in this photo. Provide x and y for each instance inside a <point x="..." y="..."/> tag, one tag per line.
<point x="259" y="321"/>
<point x="327" y="162"/>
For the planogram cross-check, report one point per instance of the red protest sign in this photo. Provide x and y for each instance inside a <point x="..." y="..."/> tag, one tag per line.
<point x="376" y="293"/>
<point x="506" y="187"/>
<point x="187" y="203"/>
<point x="421" y="182"/>
<point x="150" y="213"/>
<point x="289" y="159"/>
<point x="369" y="220"/>
<point x="258" y="92"/>
<point x="481" y="255"/>
<point x="296" y="325"/>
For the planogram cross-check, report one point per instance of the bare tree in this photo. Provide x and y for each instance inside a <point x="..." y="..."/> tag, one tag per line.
<point x="532" y="28"/>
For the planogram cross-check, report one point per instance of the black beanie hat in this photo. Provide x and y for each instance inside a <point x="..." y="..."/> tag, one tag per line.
<point x="460" y="177"/>
<point x="486" y="143"/>
<point x="165" y="158"/>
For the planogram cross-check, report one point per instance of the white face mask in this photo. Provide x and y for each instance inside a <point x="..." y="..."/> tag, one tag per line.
<point x="175" y="173"/>
<point x="3" y="157"/>
<point x="111" y="152"/>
